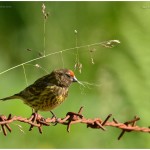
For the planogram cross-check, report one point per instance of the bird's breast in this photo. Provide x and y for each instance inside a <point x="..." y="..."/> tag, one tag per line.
<point x="53" y="97"/>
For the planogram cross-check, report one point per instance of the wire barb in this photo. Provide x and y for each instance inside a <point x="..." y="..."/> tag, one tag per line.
<point x="132" y="122"/>
<point x="36" y="120"/>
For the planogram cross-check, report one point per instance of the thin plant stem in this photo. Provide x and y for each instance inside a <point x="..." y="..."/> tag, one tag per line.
<point x="38" y="58"/>
<point x="24" y="71"/>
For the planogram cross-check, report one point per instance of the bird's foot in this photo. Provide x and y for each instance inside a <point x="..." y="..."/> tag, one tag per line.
<point x="33" y="119"/>
<point x="37" y="119"/>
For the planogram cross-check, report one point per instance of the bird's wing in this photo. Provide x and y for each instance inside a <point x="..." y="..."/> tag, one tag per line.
<point x="36" y="88"/>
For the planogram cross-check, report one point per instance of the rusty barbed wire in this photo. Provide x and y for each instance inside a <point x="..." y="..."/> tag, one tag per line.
<point x="72" y="118"/>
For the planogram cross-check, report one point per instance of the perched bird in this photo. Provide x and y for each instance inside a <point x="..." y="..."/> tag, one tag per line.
<point x="47" y="92"/>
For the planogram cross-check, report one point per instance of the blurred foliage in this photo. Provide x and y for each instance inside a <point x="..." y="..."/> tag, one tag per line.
<point x="122" y="72"/>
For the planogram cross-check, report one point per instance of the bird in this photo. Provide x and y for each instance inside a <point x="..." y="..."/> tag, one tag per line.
<point x="47" y="92"/>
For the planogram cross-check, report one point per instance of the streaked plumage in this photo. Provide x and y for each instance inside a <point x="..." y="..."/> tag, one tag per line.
<point x="47" y="92"/>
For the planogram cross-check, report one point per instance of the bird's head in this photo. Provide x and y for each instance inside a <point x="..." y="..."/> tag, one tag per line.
<point x="64" y="77"/>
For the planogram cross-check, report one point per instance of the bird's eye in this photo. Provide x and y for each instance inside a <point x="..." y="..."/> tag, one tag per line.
<point x="68" y="75"/>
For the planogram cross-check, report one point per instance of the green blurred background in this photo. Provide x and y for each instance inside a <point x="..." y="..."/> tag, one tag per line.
<point x="122" y="73"/>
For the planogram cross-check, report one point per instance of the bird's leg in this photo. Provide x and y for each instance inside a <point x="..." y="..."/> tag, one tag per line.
<point x="54" y="116"/>
<point x="34" y="117"/>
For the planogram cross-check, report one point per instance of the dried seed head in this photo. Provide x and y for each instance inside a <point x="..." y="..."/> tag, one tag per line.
<point x="110" y="43"/>
<point x="43" y="8"/>
<point x="75" y="31"/>
<point x="78" y="66"/>
<point x="40" y="54"/>
<point x="37" y="65"/>
<point x="92" y="50"/>
<point x="92" y="60"/>
<point x="29" y="49"/>
<point x="45" y="14"/>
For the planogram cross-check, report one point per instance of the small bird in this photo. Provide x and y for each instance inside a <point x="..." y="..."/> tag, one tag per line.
<point x="47" y="92"/>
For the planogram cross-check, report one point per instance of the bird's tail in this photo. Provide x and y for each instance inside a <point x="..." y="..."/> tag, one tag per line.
<point x="10" y="97"/>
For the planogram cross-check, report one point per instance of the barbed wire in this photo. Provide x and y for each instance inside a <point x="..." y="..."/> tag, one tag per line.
<point x="36" y="120"/>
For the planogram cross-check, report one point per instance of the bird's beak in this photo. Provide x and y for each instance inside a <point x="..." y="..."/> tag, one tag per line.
<point x="74" y="79"/>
